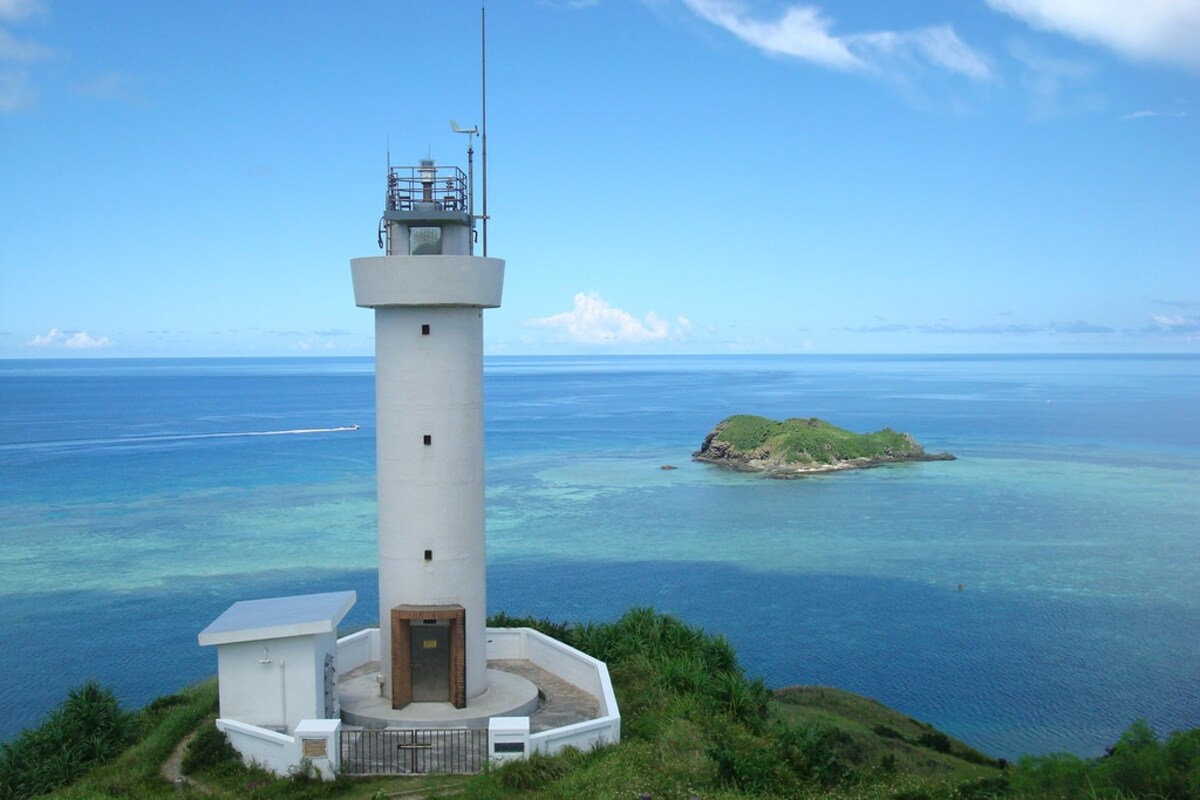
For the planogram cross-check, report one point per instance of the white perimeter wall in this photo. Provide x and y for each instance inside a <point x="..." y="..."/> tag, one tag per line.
<point x="574" y="667"/>
<point x="357" y="649"/>
<point x="282" y="754"/>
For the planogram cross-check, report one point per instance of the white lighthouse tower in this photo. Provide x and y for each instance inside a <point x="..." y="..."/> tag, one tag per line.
<point x="288" y="683"/>
<point x="428" y="293"/>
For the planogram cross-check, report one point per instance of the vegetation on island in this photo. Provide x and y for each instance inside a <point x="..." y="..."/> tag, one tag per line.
<point x="693" y="725"/>
<point x="797" y="446"/>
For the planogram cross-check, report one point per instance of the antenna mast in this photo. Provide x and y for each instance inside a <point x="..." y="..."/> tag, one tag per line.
<point x="483" y="130"/>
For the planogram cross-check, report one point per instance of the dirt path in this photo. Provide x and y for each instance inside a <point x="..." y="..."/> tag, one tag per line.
<point x="171" y="772"/>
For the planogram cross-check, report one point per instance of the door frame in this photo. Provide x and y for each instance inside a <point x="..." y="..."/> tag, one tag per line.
<point x="402" y="617"/>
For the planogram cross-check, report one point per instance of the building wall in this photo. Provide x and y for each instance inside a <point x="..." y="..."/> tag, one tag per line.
<point x="280" y="693"/>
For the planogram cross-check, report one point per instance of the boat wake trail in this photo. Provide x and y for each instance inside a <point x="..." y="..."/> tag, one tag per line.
<point x="133" y="441"/>
<point x="294" y="432"/>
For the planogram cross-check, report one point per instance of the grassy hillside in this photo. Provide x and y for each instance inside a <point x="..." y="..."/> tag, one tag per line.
<point x="881" y="736"/>
<point x="693" y="726"/>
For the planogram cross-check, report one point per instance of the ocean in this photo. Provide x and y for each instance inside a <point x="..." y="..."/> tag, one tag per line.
<point x="1038" y="594"/>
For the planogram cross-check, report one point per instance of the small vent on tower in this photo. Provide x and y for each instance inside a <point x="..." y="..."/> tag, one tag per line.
<point x="428" y="439"/>
<point x="429" y="555"/>
<point x="424" y="330"/>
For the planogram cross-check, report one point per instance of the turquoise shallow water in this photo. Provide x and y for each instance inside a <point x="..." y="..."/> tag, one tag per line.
<point x="130" y="518"/>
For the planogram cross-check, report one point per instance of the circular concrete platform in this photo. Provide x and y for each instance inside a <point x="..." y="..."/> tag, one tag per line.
<point x="507" y="695"/>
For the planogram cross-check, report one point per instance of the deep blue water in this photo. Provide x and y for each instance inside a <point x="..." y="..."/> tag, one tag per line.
<point x="139" y="498"/>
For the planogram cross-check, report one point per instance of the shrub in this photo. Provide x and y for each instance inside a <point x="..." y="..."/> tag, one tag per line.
<point x="810" y="752"/>
<point x="888" y="733"/>
<point x="1056" y="775"/>
<point x="166" y="702"/>
<point x="1137" y="764"/>
<point x="684" y="674"/>
<point x="1183" y="762"/>
<point x="209" y="748"/>
<point x="913" y="794"/>
<point x="744" y="763"/>
<point x="532" y="773"/>
<point x="87" y="729"/>
<point x="935" y="740"/>
<point x="743" y="700"/>
<point x="982" y="789"/>
<point x="973" y="756"/>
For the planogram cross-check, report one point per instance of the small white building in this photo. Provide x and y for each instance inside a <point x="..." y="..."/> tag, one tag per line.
<point x="277" y="658"/>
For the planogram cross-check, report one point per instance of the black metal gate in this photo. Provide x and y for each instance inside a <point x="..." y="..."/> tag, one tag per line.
<point x="396" y="751"/>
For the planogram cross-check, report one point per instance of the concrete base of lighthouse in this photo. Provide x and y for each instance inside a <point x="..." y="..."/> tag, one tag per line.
<point x="507" y="695"/>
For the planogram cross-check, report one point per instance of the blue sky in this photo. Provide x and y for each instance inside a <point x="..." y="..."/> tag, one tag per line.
<point x="666" y="176"/>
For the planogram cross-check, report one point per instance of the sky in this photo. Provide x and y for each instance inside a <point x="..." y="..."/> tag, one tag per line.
<point x="664" y="176"/>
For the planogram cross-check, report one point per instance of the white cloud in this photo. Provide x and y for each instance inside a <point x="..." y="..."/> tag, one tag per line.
<point x="803" y="32"/>
<point x="594" y="321"/>
<point x="14" y="10"/>
<point x="15" y="90"/>
<point x="14" y="49"/>
<point x="1151" y="30"/>
<point x="940" y="46"/>
<point x="108" y="86"/>
<point x="1056" y="85"/>
<point x="81" y="341"/>
<point x="1178" y="323"/>
<point x="72" y="340"/>
<point x="1147" y="113"/>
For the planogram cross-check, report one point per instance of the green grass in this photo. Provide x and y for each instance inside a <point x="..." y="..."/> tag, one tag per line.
<point x="162" y="724"/>
<point x="810" y="440"/>
<point x="882" y="734"/>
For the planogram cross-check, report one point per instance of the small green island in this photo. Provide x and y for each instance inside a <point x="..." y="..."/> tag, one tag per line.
<point x="796" y="447"/>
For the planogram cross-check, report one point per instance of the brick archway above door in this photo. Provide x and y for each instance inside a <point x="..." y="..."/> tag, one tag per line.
<point x="403" y="617"/>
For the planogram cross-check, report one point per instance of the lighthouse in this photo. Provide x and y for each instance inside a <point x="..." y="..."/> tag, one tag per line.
<point x="416" y="694"/>
<point x="428" y="293"/>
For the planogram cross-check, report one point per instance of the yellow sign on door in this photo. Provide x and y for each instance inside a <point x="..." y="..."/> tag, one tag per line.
<point x="429" y="644"/>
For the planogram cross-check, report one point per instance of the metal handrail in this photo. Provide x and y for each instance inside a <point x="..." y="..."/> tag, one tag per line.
<point x="406" y="188"/>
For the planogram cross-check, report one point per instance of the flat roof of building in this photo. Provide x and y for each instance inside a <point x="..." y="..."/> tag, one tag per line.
<point x="278" y="617"/>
